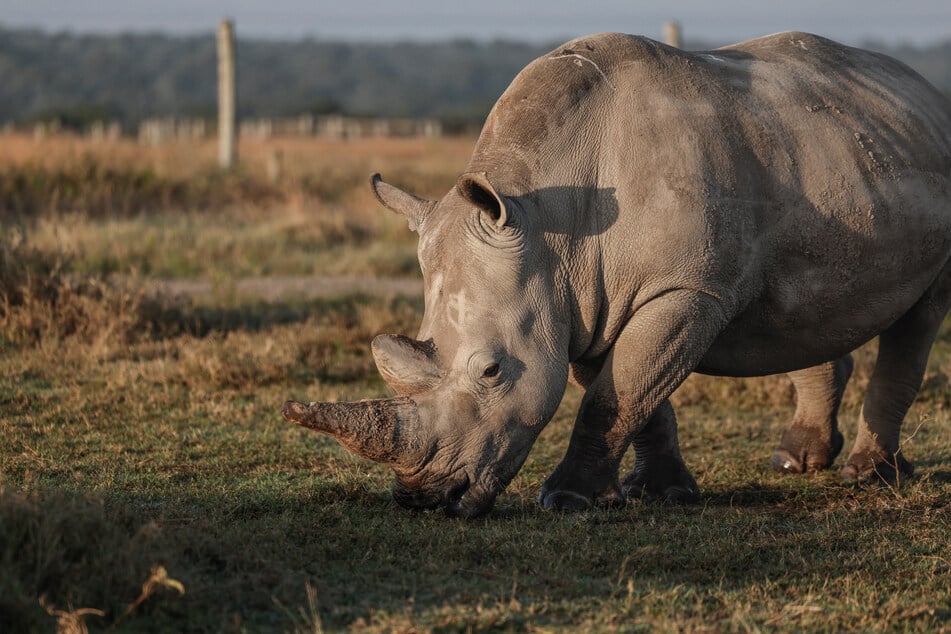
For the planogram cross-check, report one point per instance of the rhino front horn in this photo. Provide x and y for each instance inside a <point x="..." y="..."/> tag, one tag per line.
<point x="383" y="430"/>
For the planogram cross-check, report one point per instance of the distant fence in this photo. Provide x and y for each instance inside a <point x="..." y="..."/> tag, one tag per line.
<point x="155" y="131"/>
<point x="167" y="129"/>
<point x="340" y="127"/>
<point x="97" y="130"/>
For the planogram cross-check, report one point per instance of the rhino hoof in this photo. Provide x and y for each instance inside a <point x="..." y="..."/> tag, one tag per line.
<point x="886" y="471"/>
<point x="673" y="495"/>
<point x="662" y="479"/>
<point x="564" y="501"/>
<point x="794" y="455"/>
<point x="680" y="496"/>
<point x="785" y="462"/>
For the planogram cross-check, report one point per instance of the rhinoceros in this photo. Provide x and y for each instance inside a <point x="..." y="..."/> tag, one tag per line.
<point x="632" y="213"/>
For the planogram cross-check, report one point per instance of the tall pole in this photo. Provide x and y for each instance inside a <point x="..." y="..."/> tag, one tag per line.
<point x="227" y="139"/>
<point x="672" y="35"/>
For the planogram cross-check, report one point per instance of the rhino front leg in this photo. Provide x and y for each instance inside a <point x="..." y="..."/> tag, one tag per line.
<point x="813" y="439"/>
<point x="659" y="472"/>
<point x="660" y="345"/>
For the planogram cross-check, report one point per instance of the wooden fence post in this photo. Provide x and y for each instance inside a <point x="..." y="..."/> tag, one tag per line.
<point x="275" y="166"/>
<point x="672" y="34"/>
<point x="227" y="137"/>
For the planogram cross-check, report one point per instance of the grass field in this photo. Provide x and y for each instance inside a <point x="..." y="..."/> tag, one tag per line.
<point x="148" y="483"/>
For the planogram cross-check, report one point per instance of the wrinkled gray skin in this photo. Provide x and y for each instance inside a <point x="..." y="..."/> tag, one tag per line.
<point x="636" y="213"/>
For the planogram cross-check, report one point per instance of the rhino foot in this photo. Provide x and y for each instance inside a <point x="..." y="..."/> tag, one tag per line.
<point x="572" y="499"/>
<point x="800" y="451"/>
<point x="564" y="501"/>
<point x="665" y="480"/>
<point x="871" y="466"/>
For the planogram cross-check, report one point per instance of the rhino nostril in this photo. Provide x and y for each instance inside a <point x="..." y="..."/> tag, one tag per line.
<point x="454" y="497"/>
<point x="455" y="494"/>
<point x="469" y="502"/>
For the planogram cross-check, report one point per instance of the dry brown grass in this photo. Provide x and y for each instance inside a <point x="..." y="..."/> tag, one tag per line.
<point x="166" y="211"/>
<point x="179" y="159"/>
<point x="41" y="305"/>
<point x="65" y="173"/>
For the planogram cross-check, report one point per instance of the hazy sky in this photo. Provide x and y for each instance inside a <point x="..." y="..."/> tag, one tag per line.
<point x="918" y="21"/>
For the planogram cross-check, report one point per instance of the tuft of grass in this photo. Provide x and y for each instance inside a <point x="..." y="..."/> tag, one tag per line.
<point x="87" y="187"/>
<point x="41" y="304"/>
<point x="75" y="549"/>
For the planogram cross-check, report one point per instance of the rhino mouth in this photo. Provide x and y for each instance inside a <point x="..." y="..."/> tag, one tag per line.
<point x="474" y="501"/>
<point x="461" y="498"/>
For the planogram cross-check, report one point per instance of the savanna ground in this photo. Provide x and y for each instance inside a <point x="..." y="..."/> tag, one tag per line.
<point x="148" y="483"/>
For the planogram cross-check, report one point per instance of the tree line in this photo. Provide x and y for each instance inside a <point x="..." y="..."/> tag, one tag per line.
<point x="78" y="79"/>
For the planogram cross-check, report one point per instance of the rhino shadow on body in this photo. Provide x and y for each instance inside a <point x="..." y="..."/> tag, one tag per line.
<point x="633" y="213"/>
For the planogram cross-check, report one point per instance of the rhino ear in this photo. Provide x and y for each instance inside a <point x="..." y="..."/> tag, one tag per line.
<point x="476" y="188"/>
<point x="395" y="199"/>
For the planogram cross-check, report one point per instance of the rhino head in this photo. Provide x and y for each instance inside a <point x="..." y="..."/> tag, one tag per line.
<point x="488" y="367"/>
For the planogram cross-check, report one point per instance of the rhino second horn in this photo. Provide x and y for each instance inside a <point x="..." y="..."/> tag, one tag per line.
<point x="407" y="365"/>
<point x="383" y="430"/>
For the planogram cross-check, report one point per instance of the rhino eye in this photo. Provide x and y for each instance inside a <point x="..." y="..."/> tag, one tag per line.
<point x="490" y="371"/>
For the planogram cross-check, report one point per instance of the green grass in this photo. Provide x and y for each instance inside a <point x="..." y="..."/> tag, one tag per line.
<point x="164" y="447"/>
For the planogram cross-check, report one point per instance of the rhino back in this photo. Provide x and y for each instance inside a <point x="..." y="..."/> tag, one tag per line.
<point x="850" y="212"/>
<point x="797" y="180"/>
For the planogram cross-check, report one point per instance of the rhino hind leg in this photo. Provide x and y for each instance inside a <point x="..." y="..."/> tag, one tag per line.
<point x="902" y="357"/>
<point x="812" y="441"/>
<point x="659" y="473"/>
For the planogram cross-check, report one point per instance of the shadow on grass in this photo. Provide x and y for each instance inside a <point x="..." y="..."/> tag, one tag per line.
<point x="243" y="554"/>
<point x="940" y="476"/>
